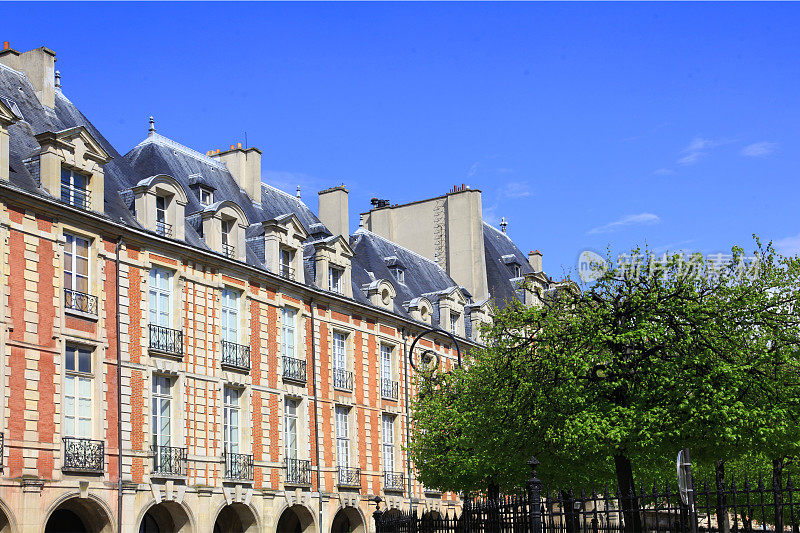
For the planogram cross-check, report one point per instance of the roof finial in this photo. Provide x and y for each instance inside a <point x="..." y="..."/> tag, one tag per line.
<point x="152" y="126"/>
<point x="58" y="79"/>
<point x="503" y="224"/>
<point x="298" y="192"/>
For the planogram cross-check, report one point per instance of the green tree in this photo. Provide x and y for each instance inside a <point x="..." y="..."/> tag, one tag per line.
<point x="655" y="356"/>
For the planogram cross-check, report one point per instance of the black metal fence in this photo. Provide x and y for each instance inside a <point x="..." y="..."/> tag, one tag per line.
<point x="166" y="340"/>
<point x="236" y="355"/>
<point x="294" y="369"/>
<point x="732" y="506"/>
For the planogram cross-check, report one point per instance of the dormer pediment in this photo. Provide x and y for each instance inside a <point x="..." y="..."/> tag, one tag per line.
<point x="224" y="225"/>
<point x="78" y="140"/>
<point x="7" y="115"/>
<point x="285" y="224"/>
<point x="162" y="183"/>
<point x="335" y="244"/>
<point x="454" y="295"/>
<point x="160" y="205"/>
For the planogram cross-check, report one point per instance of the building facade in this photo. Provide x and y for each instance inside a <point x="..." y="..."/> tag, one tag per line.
<point x="189" y="349"/>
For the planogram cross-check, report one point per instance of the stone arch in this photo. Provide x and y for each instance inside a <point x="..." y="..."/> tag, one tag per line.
<point x="236" y="518"/>
<point x="296" y="519"/>
<point x="168" y="516"/>
<point x="73" y="514"/>
<point x="8" y="523"/>
<point x="348" y="520"/>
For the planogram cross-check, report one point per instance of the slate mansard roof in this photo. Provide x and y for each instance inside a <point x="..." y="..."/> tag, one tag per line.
<point x="157" y="154"/>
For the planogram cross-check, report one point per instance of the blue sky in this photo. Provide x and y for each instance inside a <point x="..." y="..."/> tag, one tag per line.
<point x="585" y="125"/>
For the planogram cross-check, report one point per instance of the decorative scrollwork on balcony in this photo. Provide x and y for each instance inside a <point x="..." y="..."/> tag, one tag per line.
<point x="342" y="379"/>
<point x="298" y="472"/>
<point x="294" y="369"/>
<point x="349" y="477"/>
<point x="164" y="229"/>
<point x="79" y="301"/>
<point x="83" y="455"/>
<point x="393" y="480"/>
<point x="229" y="251"/>
<point x="166" y="340"/>
<point x="238" y="466"/>
<point x="390" y="390"/>
<point x="236" y="355"/>
<point x="169" y="460"/>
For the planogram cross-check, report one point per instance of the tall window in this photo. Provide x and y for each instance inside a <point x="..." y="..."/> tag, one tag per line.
<point x="517" y="271"/>
<point x="386" y="362"/>
<point x="290" y="428"/>
<point x="339" y="352"/>
<point x="77" y="392"/>
<point x="399" y="274"/>
<point x="76" y="264"/>
<point x="227" y="237"/>
<point x="160" y="297"/>
<point x="388" y="442"/>
<point x="335" y="279"/>
<point x="230" y="315"/>
<point x="230" y="425"/>
<point x="162" y="228"/>
<point x="74" y="188"/>
<point x="454" y="323"/>
<point x="289" y="333"/>
<point x="342" y="436"/>
<point x="286" y="257"/>
<point x="162" y="411"/>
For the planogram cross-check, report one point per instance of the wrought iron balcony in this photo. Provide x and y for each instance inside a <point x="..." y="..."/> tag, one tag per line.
<point x="228" y="251"/>
<point x="75" y="196"/>
<point x="79" y="301"/>
<point x="162" y="228"/>
<point x="238" y="466"/>
<point x="294" y="369"/>
<point x="392" y="480"/>
<point x="298" y="472"/>
<point x="83" y="455"/>
<point x="342" y="379"/>
<point x="169" y="460"/>
<point x="349" y="477"/>
<point x="236" y="355"/>
<point x="166" y="340"/>
<point x="390" y="390"/>
<point x="286" y="271"/>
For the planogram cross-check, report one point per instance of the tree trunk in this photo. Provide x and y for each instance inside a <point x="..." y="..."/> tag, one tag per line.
<point x="777" y="492"/>
<point x="629" y="503"/>
<point x="571" y="518"/>
<point x="493" y="511"/>
<point x="723" y="522"/>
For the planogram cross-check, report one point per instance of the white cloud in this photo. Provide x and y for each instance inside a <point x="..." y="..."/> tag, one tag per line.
<point x="629" y="220"/>
<point x="788" y="245"/>
<point x="517" y="189"/>
<point x="759" y="149"/>
<point x="697" y="150"/>
<point x="473" y="169"/>
<point x="664" y="172"/>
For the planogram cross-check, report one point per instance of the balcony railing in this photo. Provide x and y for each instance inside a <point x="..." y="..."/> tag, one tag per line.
<point x="79" y="301"/>
<point x="83" y="455"/>
<point x="298" y="472"/>
<point x="166" y="340"/>
<point x="75" y="196"/>
<point x="169" y="460"/>
<point x="349" y="477"/>
<point x="236" y="355"/>
<point x="390" y="390"/>
<point x="342" y="379"/>
<point x="238" y="466"/>
<point x="294" y="369"/>
<point x="162" y="228"/>
<point x="228" y="251"/>
<point x="286" y="271"/>
<point x="392" y="480"/>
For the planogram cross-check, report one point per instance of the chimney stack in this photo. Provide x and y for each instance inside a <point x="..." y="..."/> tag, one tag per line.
<point x="535" y="260"/>
<point x="245" y="167"/>
<point x="333" y="211"/>
<point x="40" y="67"/>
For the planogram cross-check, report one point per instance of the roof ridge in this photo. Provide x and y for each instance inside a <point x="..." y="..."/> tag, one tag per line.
<point x="295" y="198"/>
<point x="157" y="138"/>
<point x="503" y="233"/>
<point x="412" y="252"/>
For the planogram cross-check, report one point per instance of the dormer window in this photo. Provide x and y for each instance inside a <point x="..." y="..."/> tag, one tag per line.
<point x="228" y="248"/>
<point x="454" y="323"/>
<point x="286" y="259"/>
<point x="160" y="206"/>
<point x="335" y="276"/>
<point x="517" y="271"/>
<point x="162" y="226"/>
<point x="206" y="196"/>
<point x="74" y="188"/>
<point x="399" y="274"/>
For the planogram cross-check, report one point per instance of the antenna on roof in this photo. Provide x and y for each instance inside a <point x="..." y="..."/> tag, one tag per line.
<point x="245" y="140"/>
<point x="58" y="79"/>
<point x="152" y="126"/>
<point x="503" y="224"/>
<point x="298" y="192"/>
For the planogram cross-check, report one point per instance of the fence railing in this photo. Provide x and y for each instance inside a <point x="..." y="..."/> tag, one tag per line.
<point x="228" y="251"/>
<point x="294" y="369"/>
<point x="164" y="229"/>
<point x="238" y="466"/>
<point x="390" y="390"/>
<point x="236" y="355"/>
<point x="393" y="480"/>
<point x="75" y="196"/>
<point x="342" y="379"/>
<point x="286" y="271"/>
<point x="348" y="477"/>
<point x="79" y="301"/>
<point x="298" y="472"/>
<point x="166" y="340"/>
<point x="169" y="460"/>
<point x="83" y="455"/>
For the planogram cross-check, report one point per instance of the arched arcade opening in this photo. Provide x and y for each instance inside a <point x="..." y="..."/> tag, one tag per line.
<point x="236" y="518"/>
<point x="296" y="519"/>
<point x="165" y="517"/>
<point x="348" y="520"/>
<point x="78" y="515"/>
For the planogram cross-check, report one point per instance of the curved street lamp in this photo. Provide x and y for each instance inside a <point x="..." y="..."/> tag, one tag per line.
<point x="430" y="351"/>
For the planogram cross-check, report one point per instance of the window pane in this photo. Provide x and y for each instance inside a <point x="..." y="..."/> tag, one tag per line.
<point x="69" y="358"/>
<point x="84" y="360"/>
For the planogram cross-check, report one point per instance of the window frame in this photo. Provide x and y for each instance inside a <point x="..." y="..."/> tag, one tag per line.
<point x="388" y="444"/>
<point x="338" y="287"/>
<point x="342" y="434"/>
<point x="230" y="308"/>
<point x="230" y="408"/>
<point x="289" y="331"/>
<point x="339" y="356"/>
<point x="160" y="294"/>
<point x="72" y="252"/>
<point x="69" y="182"/>
<point x="288" y="418"/>
<point x="78" y="377"/>
<point x="399" y="275"/>
<point x="158" y="398"/>
<point x="207" y="193"/>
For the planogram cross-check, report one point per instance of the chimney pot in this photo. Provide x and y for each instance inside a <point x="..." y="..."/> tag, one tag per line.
<point x="6" y="45"/>
<point x="239" y="145"/>
<point x="231" y="147"/>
